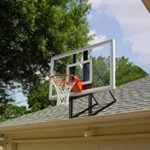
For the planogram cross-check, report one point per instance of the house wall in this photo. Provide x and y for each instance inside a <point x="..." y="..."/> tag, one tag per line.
<point x="1" y="145"/>
<point x="119" y="134"/>
<point x="127" y="144"/>
<point x="124" y="142"/>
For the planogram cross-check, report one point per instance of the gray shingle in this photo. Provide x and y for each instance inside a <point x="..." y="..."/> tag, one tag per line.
<point x="133" y="96"/>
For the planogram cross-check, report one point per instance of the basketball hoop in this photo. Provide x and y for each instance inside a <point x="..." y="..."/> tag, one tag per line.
<point x="64" y="83"/>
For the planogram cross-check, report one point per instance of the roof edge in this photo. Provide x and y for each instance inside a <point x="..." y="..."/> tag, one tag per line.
<point x="107" y="120"/>
<point x="146" y="4"/>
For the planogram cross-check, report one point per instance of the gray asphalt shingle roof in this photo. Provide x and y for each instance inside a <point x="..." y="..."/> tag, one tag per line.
<point x="131" y="97"/>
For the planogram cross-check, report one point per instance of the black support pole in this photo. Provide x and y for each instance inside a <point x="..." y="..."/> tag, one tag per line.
<point x="70" y="108"/>
<point x="86" y="77"/>
<point x="90" y="104"/>
<point x="72" y="71"/>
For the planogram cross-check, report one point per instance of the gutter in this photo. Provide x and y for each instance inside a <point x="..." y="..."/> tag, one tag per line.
<point x="146" y="4"/>
<point x="86" y="122"/>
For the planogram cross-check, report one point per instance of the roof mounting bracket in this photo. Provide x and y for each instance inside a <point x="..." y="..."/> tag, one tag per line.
<point x="101" y="109"/>
<point x="90" y="106"/>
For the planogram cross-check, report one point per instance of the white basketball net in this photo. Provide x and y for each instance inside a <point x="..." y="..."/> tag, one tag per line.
<point x="63" y="85"/>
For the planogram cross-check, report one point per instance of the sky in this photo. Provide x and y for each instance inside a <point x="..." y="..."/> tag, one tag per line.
<point x="128" y="22"/>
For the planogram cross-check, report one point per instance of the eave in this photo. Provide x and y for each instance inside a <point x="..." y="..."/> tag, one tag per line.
<point x="87" y="122"/>
<point x="147" y="4"/>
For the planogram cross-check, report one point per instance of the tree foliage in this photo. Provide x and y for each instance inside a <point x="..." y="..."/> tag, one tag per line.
<point x="100" y="70"/>
<point x="127" y="71"/>
<point x="4" y="97"/>
<point x="38" y="96"/>
<point x="12" y="111"/>
<point x="31" y="31"/>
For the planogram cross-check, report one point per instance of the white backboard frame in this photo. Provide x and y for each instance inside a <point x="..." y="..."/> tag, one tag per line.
<point x="93" y="90"/>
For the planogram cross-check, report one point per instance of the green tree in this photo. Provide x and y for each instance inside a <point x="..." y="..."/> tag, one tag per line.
<point x="33" y="31"/>
<point x="12" y="111"/>
<point x="4" y="97"/>
<point x="100" y="71"/>
<point x="38" y="96"/>
<point x="127" y="71"/>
